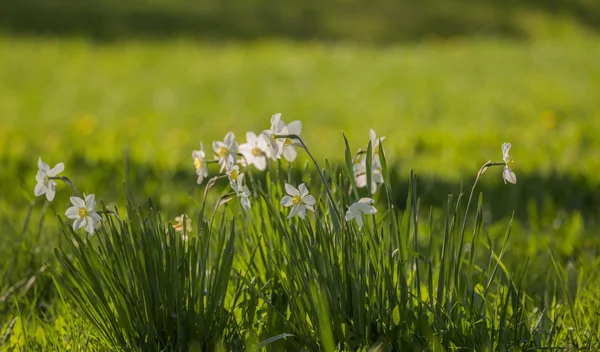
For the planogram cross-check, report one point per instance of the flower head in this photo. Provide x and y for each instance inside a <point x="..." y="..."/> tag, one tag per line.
<point x="357" y="209"/>
<point x="282" y="146"/>
<point x="508" y="174"/>
<point x="233" y="172"/>
<point x="242" y="191"/>
<point x="200" y="164"/>
<point x="298" y="199"/>
<point x="375" y="141"/>
<point x="180" y="226"/>
<point x="255" y="150"/>
<point x="45" y="185"/>
<point x="225" y="152"/>
<point x="360" y="173"/>
<point x="83" y="213"/>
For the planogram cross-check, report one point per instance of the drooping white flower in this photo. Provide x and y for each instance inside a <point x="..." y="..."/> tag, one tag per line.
<point x="288" y="148"/>
<point x="357" y="209"/>
<point x="225" y="152"/>
<point x="83" y="213"/>
<point x="199" y="157"/>
<point x="255" y="150"/>
<point x="508" y="174"/>
<point x="44" y="184"/>
<point x="242" y="191"/>
<point x="282" y="146"/>
<point x="360" y="173"/>
<point x="233" y="172"/>
<point x="375" y="141"/>
<point x="298" y="199"/>
<point x="179" y="225"/>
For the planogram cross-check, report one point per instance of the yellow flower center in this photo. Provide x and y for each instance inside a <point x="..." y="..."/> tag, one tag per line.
<point x="296" y="200"/>
<point x="46" y="179"/>
<point x="510" y="162"/>
<point x="223" y="152"/>
<point x="198" y="163"/>
<point x="83" y="212"/>
<point x="234" y="174"/>
<point x="256" y="151"/>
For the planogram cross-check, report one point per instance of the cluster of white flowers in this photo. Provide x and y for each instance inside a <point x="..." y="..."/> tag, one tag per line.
<point x="360" y="165"/>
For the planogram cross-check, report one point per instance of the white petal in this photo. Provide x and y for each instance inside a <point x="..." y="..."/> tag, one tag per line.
<point x="97" y="217"/>
<point x="51" y="191"/>
<point x="72" y="212"/>
<point x="294" y="127"/>
<point x="245" y="203"/>
<point x="291" y="190"/>
<point x="366" y="200"/>
<point x="286" y="201"/>
<point x="350" y="213"/>
<point x="217" y="145"/>
<point x="359" y="220"/>
<point x="60" y="167"/>
<point x="260" y="163"/>
<point x="40" y="177"/>
<point x="77" y="224"/>
<point x="90" y="202"/>
<point x="301" y="211"/>
<point x="90" y="225"/>
<point x="293" y="211"/>
<point x="309" y="200"/>
<point x="200" y="178"/>
<point x="43" y="166"/>
<point x="229" y="138"/>
<point x="302" y="189"/>
<point x="289" y="153"/>
<point x="509" y="175"/>
<point x="361" y="181"/>
<point x="40" y="189"/>
<point x="78" y="202"/>
<point x="505" y="149"/>
<point x="251" y="138"/>
<point x="372" y="136"/>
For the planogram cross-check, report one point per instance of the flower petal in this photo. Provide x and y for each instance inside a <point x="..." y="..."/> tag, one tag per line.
<point x="251" y="137"/>
<point x="94" y="215"/>
<point x="350" y="213"/>
<point x="286" y="201"/>
<point x="509" y="175"/>
<point x="260" y="163"/>
<point x="294" y="127"/>
<point x="291" y="190"/>
<point x="43" y="166"/>
<point x="294" y="211"/>
<point x="40" y="189"/>
<point x="90" y="202"/>
<point x="301" y="211"/>
<point x="40" y="177"/>
<point x="289" y="153"/>
<point x="309" y="200"/>
<point x="72" y="212"/>
<point x="90" y="225"/>
<point x="57" y="169"/>
<point x="77" y="224"/>
<point x="51" y="191"/>
<point x="78" y="202"/>
<point x="303" y="190"/>
<point x="359" y="220"/>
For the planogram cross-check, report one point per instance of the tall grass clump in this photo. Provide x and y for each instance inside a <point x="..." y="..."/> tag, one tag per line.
<point x="318" y="260"/>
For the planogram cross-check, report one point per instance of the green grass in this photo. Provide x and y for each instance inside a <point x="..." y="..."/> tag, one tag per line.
<point x="124" y="118"/>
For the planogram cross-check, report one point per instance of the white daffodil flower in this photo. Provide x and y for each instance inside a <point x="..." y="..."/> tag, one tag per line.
<point x="242" y="191"/>
<point x="277" y="126"/>
<point x="225" y="151"/>
<point x="256" y="150"/>
<point x="179" y="226"/>
<point x="375" y="141"/>
<point x="288" y="148"/>
<point x="357" y="209"/>
<point x="282" y="146"/>
<point x="298" y="199"/>
<point x="233" y="172"/>
<point x="44" y="184"/>
<point x="360" y="173"/>
<point x="200" y="164"/>
<point x="83" y="213"/>
<point x="508" y="174"/>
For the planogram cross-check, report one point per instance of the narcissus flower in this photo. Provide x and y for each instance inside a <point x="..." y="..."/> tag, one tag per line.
<point x="45" y="185"/>
<point x="225" y="152"/>
<point x="375" y="141"/>
<point x="242" y="192"/>
<point x="179" y="225"/>
<point x="283" y="146"/>
<point x="255" y="150"/>
<point x="298" y="199"/>
<point x="200" y="164"/>
<point x="363" y="206"/>
<point x="83" y="213"/>
<point x="360" y="173"/>
<point x="233" y="172"/>
<point x="508" y="174"/>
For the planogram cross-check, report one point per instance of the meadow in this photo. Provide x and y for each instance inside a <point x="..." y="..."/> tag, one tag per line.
<point x="515" y="269"/>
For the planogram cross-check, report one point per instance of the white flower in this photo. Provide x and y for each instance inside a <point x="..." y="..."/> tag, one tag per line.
<point x="298" y="199"/>
<point x="508" y="174"/>
<point x="179" y="226"/>
<point x="225" y="151"/>
<point x="200" y="164"/>
<point x="44" y="183"/>
<point x="375" y="141"/>
<point x="360" y="173"/>
<point x="362" y="206"/>
<point x="282" y="146"/>
<point x="233" y="172"/>
<point x="242" y="191"/>
<point x="83" y="213"/>
<point x="256" y="150"/>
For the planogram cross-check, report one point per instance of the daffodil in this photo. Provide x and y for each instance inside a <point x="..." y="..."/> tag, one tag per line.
<point x="282" y="146"/>
<point x="179" y="225"/>
<point x="233" y="173"/>
<point x="298" y="199"/>
<point x="83" y="213"/>
<point x="360" y="173"/>
<point x="288" y="148"/>
<point x="363" y="206"/>
<point x="277" y="126"/>
<point x="46" y="185"/>
<point x="242" y="192"/>
<point x="200" y="164"/>
<point x="508" y="174"/>
<point x="255" y="150"/>
<point x="375" y="141"/>
<point x="225" y="152"/>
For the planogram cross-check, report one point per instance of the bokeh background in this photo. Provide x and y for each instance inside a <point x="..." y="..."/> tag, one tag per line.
<point x="122" y="92"/>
